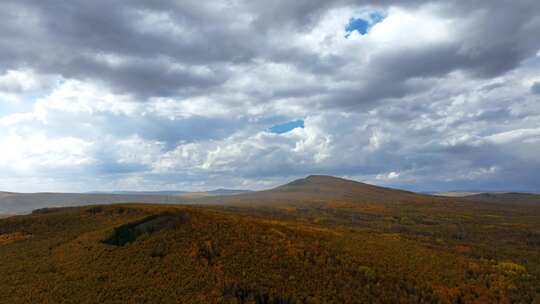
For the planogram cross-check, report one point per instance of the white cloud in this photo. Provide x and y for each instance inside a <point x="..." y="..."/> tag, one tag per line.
<point x="16" y="119"/>
<point x="20" y="81"/>
<point x="75" y="96"/>
<point x="530" y="135"/>
<point x="421" y="27"/>
<point x="34" y="153"/>
<point x="172" y="109"/>
<point x="480" y="173"/>
<point x="388" y="176"/>
<point x="16" y="85"/>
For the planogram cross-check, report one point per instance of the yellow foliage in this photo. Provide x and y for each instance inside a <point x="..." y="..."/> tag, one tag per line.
<point x="12" y="237"/>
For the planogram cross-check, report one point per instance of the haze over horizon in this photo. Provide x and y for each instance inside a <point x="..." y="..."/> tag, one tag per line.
<point x="187" y="95"/>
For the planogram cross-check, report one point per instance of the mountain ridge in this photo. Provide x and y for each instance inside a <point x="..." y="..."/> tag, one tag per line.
<point x="312" y="189"/>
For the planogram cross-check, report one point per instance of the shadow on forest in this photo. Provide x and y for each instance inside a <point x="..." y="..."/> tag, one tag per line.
<point x="128" y="233"/>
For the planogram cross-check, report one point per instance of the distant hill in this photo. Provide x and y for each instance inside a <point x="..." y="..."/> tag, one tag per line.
<point x="13" y="203"/>
<point x="177" y="193"/>
<point x="506" y="198"/>
<point x="322" y="189"/>
<point x="314" y="190"/>
<point x="453" y="193"/>
<point x="227" y="191"/>
<point x="169" y="193"/>
<point x="5" y="194"/>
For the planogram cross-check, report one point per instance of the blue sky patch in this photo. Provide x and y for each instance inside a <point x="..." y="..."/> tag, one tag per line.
<point x="363" y="26"/>
<point x="286" y="127"/>
<point x="357" y="24"/>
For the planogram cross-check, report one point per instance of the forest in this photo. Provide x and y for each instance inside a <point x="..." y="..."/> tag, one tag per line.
<point x="407" y="248"/>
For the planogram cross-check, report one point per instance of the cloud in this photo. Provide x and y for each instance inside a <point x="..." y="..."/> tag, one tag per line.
<point x="388" y="176"/>
<point x="169" y="94"/>
<point x="535" y="88"/>
<point x="16" y="86"/>
<point x="525" y="135"/>
<point x="31" y="154"/>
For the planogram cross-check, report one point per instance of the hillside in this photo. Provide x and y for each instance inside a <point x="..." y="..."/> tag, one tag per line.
<point x="315" y="240"/>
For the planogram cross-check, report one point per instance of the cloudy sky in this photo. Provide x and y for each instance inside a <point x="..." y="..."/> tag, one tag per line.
<point x="193" y="95"/>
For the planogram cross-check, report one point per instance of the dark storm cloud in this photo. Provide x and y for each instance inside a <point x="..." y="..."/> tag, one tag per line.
<point x="303" y="14"/>
<point x="148" y="77"/>
<point x="104" y="26"/>
<point x="498" y="35"/>
<point x="68" y="37"/>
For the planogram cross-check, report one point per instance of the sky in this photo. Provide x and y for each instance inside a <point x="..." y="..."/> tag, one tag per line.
<point x="193" y="95"/>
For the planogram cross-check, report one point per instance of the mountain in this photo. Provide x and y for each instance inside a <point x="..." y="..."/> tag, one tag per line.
<point x="319" y="239"/>
<point x="323" y="190"/>
<point x="322" y="186"/>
